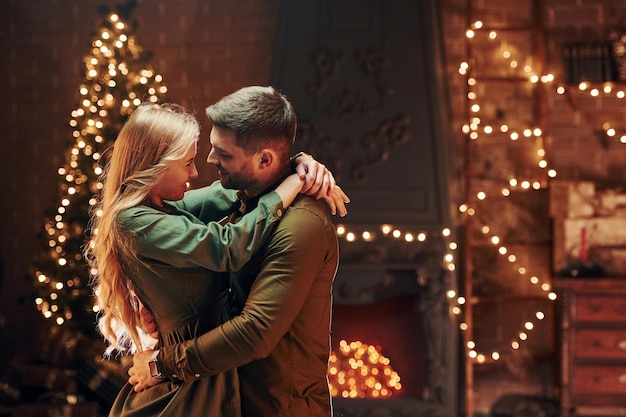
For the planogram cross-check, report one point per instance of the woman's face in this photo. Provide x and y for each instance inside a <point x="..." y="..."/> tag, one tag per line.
<point x="175" y="182"/>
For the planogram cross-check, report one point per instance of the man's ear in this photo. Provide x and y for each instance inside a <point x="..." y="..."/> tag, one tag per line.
<point x="267" y="158"/>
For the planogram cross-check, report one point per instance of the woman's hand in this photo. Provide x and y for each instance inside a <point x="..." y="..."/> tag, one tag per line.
<point x="139" y="373"/>
<point x="337" y="201"/>
<point x="319" y="182"/>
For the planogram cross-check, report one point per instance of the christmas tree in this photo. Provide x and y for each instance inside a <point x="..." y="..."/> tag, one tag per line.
<point x="117" y="79"/>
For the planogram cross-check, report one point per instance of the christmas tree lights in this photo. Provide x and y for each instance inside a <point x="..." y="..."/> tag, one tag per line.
<point x="117" y="79"/>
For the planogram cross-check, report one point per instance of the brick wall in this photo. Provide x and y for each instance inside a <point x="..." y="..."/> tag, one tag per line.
<point x="579" y="149"/>
<point x="203" y="48"/>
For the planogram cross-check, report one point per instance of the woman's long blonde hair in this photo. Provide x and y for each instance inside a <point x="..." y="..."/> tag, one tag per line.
<point x="153" y="137"/>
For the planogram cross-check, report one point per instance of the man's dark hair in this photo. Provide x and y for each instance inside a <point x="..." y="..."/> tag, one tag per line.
<point x="260" y="117"/>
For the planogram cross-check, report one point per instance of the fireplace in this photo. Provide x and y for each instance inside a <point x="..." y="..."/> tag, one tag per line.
<point x="401" y="316"/>
<point x="394" y="333"/>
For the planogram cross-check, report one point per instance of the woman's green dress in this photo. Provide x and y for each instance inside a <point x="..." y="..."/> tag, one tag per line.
<point x="175" y="280"/>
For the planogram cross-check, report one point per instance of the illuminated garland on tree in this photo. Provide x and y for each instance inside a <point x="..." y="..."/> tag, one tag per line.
<point x="117" y="79"/>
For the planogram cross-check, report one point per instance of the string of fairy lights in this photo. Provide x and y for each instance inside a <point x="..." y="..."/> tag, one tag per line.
<point x="474" y="130"/>
<point x="607" y="89"/>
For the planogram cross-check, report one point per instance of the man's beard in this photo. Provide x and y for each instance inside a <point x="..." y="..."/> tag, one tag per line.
<point x="236" y="183"/>
<point x="242" y="180"/>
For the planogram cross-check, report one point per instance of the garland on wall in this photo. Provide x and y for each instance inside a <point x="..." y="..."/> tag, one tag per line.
<point x="481" y="126"/>
<point x="516" y="65"/>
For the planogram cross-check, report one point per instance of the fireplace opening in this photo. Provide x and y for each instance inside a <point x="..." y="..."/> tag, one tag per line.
<point x="378" y="349"/>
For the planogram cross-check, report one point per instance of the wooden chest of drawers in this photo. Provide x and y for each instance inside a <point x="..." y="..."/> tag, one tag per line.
<point x="592" y="323"/>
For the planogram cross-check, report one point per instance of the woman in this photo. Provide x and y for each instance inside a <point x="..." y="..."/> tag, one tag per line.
<point x="145" y="249"/>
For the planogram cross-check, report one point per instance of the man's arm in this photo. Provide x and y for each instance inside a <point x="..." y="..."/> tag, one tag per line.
<point x="294" y="257"/>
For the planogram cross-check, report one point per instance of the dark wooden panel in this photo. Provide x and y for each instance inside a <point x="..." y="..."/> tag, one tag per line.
<point x="364" y="79"/>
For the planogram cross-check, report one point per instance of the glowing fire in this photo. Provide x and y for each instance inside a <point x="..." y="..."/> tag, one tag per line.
<point x="361" y="371"/>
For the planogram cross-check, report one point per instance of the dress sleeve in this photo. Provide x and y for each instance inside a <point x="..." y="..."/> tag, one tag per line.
<point x="209" y="203"/>
<point x="183" y="241"/>
<point x="293" y="258"/>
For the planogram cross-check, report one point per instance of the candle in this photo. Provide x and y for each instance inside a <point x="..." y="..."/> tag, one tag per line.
<point x="583" y="244"/>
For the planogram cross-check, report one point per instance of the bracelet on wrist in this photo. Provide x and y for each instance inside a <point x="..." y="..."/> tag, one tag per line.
<point x="293" y="160"/>
<point x="155" y="367"/>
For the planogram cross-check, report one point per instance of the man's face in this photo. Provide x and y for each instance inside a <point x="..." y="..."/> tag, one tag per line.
<point x="235" y="167"/>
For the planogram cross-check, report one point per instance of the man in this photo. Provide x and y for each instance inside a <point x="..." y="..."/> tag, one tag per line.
<point x="280" y="339"/>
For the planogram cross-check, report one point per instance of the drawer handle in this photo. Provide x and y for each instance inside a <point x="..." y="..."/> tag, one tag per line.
<point x="621" y="345"/>
<point x="622" y="379"/>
